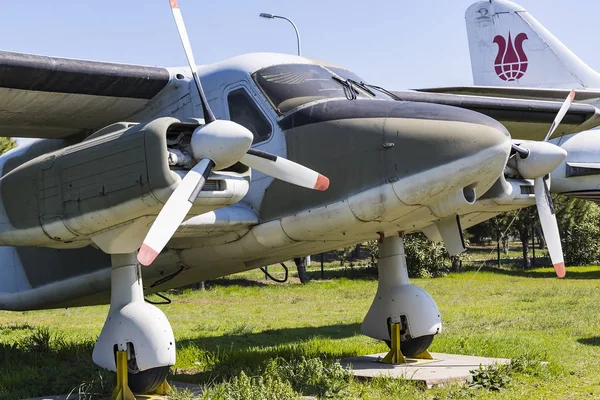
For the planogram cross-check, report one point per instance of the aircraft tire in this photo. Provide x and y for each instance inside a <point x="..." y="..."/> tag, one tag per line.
<point x="143" y="382"/>
<point x="415" y="346"/>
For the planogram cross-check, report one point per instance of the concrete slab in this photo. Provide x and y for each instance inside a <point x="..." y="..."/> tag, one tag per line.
<point x="444" y="368"/>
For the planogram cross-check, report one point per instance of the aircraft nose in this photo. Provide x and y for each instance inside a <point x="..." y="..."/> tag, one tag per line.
<point x="441" y="149"/>
<point x="362" y="144"/>
<point x="422" y="136"/>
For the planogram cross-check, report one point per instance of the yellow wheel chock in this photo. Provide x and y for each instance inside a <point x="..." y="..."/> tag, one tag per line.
<point x="395" y="356"/>
<point x="122" y="391"/>
<point x="424" y="356"/>
<point x="163" y="389"/>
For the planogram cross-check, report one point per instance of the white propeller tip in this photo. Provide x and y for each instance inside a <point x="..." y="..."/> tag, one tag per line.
<point x="560" y="269"/>
<point x="147" y="255"/>
<point x="322" y="183"/>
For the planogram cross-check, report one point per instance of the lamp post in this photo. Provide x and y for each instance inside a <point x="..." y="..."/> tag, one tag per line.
<point x="273" y="16"/>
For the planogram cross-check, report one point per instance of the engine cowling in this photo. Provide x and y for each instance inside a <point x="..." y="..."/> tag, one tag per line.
<point x="65" y="197"/>
<point x="579" y="174"/>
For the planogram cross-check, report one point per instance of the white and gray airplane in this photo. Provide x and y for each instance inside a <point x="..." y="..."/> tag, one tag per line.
<point x="201" y="172"/>
<point x="515" y="56"/>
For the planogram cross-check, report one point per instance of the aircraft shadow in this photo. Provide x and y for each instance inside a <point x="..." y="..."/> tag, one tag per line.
<point x="226" y="282"/>
<point x="575" y="275"/>
<point x="358" y="272"/>
<point x="591" y="341"/>
<point x="225" y="356"/>
<point x="39" y="365"/>
<point x="272" y="337"/>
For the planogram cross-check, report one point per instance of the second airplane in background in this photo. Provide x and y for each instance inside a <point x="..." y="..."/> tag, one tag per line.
<point x="514" y="57"/>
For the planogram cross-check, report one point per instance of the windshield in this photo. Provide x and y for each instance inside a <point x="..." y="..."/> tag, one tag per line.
<point x="344" y="73"/>
<point x="291" y="85"/>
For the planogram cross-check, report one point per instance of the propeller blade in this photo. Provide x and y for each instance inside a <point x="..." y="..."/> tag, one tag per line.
<point x="561" y="114"/>
<point x="285" y="170"/>
<point x="174" y="211"/>
<point x="545" y="209"/>
<point x="187" y="47"/>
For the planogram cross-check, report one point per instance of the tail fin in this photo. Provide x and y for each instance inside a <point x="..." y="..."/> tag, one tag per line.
<point x="511" y="48"/>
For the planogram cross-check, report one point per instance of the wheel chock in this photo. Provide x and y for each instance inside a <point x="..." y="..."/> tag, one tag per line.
<point x="122" y="391"/>
<point x="423" y="356"/>
<point x="163" y="388"/>
<point x="395" y="356"/>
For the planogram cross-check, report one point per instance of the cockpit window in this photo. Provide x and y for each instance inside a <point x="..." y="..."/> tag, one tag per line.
<point x="291" y="85"/>
<point x="243" y="111"/>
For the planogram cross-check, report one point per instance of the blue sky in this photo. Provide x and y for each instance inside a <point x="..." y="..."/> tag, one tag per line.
<point x="395" y="43"/>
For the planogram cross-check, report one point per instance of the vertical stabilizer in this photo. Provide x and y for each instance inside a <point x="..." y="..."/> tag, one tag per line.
<point x="511" y="48"/>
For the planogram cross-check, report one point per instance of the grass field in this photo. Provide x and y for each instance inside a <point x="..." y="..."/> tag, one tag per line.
<point x="243" y="323"/>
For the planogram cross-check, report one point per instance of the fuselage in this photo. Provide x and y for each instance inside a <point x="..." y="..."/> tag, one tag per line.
<point x="393" y="166"/>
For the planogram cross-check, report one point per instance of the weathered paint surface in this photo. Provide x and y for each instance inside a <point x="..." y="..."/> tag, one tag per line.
<point x="390" y="165"/>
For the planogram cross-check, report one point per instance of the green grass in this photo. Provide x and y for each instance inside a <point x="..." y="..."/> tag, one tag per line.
<point x="245" y="334"/>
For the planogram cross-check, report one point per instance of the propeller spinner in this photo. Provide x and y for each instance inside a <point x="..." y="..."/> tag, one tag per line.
<point x="215" y="145"/>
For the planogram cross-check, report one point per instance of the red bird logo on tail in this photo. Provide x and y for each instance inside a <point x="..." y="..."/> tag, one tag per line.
<point x="511" y="62"/>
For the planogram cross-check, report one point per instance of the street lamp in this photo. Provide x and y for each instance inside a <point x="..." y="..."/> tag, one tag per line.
<point x="273" y="16"/>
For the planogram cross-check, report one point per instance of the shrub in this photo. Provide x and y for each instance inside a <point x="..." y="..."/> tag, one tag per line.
<point x="580" y="243"/>
<point x="492" y="377"/>
<point x="311" y="376"/>
<point x="424" y="258"/>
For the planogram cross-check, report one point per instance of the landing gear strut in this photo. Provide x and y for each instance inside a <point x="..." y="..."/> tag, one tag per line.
<point x="136" y="334"/>
<point x="397" y="302"/>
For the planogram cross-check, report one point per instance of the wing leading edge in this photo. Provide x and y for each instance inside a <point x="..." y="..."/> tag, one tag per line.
<point x="524" y="118"/>
<point x="50" y="97"/>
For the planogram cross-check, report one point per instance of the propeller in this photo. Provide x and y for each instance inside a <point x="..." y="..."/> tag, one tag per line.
<point x="215" y="145"/>
<point x="534" y="161"/>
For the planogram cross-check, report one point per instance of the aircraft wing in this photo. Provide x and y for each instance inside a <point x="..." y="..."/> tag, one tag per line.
<point x="524" y="118"/>
<point x="49" y="97"/>
<point x="516" y="92"/>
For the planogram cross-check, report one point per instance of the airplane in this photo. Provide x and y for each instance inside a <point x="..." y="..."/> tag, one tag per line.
<point x="514" y="56"/>
<point x="141" y="179"/>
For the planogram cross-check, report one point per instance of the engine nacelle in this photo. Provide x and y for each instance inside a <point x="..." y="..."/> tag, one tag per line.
<point x="579" y="174"/>
<point x="113" y="178"/>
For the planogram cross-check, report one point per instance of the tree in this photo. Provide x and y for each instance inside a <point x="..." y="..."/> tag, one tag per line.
<point x="517" y="223"/>
<point x="482" y="233"/>
<point x="425" y="258"/>
<point x="301" y="266"/>
<point x="579" y="225"/>
<point x="6" y="144"/>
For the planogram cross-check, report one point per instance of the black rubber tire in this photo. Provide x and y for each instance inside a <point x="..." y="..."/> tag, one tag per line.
<point x="413" y="347"/>
<point x="147" y="381"/>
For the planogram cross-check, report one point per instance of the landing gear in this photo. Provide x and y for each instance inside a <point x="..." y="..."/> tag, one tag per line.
<point x="399" y="303"/>
<point x="413" y="347"/>
<point x="137" y="338"/>
<point x="147" y="381"/>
